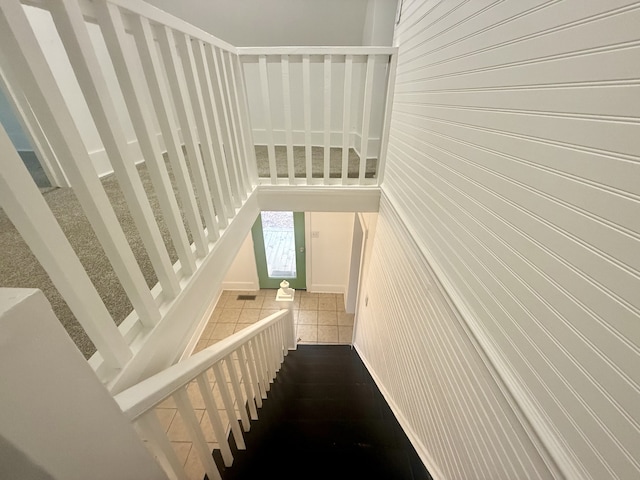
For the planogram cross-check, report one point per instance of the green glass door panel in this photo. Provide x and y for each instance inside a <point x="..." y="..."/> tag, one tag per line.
<point x="278" y="240"/>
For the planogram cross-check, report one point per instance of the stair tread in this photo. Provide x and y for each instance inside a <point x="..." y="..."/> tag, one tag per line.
<point x="324" y="418"/>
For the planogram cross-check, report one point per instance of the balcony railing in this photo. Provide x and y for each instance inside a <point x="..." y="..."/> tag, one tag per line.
<point x="103" y="85"/>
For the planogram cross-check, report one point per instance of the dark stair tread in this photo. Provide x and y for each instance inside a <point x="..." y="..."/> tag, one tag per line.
<point x="327" y="423"/>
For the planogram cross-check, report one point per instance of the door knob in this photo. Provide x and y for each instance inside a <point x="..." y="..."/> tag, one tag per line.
<point x="301" y="249"/>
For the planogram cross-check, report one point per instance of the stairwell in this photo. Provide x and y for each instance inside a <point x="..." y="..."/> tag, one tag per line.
<point x="324" y="417"/>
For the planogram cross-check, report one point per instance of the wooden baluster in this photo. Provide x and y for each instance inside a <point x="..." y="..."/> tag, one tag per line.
<point x="214" y="417"/>
<point x="327" y="118"/>
<point x="152" y="429"/>
<point x="266" y="105"/>
<point x="237" y="391"/>
<point x="250" y="384"/>
<point x="306" y="94"/>
<point x="228" y="405"/>
<point x="288" y="128"/>
<point x="366" y="118"/>
<point x="346" y="117"/>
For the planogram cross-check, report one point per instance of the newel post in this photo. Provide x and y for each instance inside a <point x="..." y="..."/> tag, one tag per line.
<point x="285" y="298"/>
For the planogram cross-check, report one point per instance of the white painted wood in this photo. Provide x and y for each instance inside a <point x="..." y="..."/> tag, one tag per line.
<point x="32" y="129"/>
<point x="257" y="369"/>
<point x="162" y="104"/>
<point x="144" y="9"/>
<point x="366" y="117"/>
<point x="30" y="214"/>
<point x="315" y="50"/>
<point x="248" y="382"/>
<point x="286" y="103"/>
<point x="84" y="61"/>
<point x="165" y="344"/>
<point x="206" y="145"/>
<point x="204" y="74"/>
<point x="386" y="126"/>
<point x="265" y="360"/>
<point x="319" y="198"/>
<point x="233" y="127"/>
<point x="46" y="425"/>
<point x="346" y="116"/>
<point x="228" y="405"/>
<point x="147" y="394"/>
<point x="188" y="415"/>
<point x="223" y="112"/>
<point x="510" y="161"/>
<point x="214" y="418"/>
<point x="237" y="392"/>
<point x="184" y="111"/>
<point x="246" y="121"/>
<point x="306" y="93"/>
<point x="246" y="152"/>
<point x="266" y="105"/>
<point x="154" y="433"/>
<point x="327" y="116"/>
<point x="30" y="67"/>
<point x="115" y="36"/>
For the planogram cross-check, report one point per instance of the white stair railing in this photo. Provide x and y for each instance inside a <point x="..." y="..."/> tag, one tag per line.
<point x="321" y="98"/>
<point x="170" y="75"/>
<point x="242" y="366"/>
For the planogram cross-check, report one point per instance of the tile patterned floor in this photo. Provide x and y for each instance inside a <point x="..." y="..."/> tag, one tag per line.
<point x="319" y="317"/>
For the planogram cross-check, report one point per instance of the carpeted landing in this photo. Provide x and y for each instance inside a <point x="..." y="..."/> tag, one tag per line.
<point x="324" y="418"/>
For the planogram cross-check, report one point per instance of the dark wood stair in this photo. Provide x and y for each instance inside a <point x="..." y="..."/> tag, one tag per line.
<point x="324" y="418"/>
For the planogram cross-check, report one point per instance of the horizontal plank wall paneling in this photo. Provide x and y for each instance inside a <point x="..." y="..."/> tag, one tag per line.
<point x="432" y="372"/>
<point x="514" y="161"/>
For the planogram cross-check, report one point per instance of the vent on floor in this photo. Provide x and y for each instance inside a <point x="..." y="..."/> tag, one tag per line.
<point x="246" y="297"/>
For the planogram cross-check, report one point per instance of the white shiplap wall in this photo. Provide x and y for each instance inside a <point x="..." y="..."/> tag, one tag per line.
<point x="514" y="162"/>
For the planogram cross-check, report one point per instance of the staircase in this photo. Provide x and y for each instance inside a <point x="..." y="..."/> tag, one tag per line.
<point x="324" y="418"/>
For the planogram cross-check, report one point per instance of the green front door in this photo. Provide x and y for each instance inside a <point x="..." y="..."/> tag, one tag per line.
<point x="278" y="240"/>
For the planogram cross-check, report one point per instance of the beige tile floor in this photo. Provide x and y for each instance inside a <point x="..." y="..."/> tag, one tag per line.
<point x="319" y="318"/>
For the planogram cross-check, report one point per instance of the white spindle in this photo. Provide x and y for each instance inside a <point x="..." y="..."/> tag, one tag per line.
<point x="133" y="90"/>
<point x="234" y="124"/>
<point x="221" y="103"/>
<point x="264" y="360"/>
<point x="159" y="94"/>
<point x="288" y="129"/>
<point x="30" y="214"/>
<point x="214" y="418"/>
<point x="152" y="429"/>
<point x="255" y="364"/>
<point x="386" y="126"/>
<point x="185" y="409"/>
<point x="237" y="391"/>
<point x="346" y="117"/>
<point x="271" y="353"/>
<point x="228" y="405"/>
<point x="246" y="121"/>
<point x="32" y="70"/>
<point x="266" y="105"/>
<point x="202" y="123"/>
<point x="182" y="104"/>
<point x="327" y="117"/>
<point x="249" y="383"/>
<point x="306" y="94"/>
<point x="366" y="117"/>
<point x="31" y="127"/>
<point x="85" y="64"/>
<point x="204" y="75"/>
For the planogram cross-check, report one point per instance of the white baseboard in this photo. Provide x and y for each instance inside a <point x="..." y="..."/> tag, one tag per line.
<point x="326" y="289"/>
<point x="421" y="450"/>
<point x="240" y="286"/>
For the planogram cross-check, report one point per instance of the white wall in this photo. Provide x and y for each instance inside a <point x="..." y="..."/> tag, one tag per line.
<point x="276" y="22"/>
<point x="510" y="170"/>
<point x="328" y="253"/>
<point x="379" y="22"/>
<point x="57" y="420"/>
<point x="243" y="273"/>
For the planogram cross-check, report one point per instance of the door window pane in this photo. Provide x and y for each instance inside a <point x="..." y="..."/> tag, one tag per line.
<point x="279" y="244"/>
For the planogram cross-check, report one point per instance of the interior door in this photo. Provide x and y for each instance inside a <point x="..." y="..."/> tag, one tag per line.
<point x="278" y="240"/>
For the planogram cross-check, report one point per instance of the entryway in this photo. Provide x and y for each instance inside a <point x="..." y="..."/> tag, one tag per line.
<point x="279" y="243"/>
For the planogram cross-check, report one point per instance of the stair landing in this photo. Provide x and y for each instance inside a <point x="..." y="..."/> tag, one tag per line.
<point x="324" y="418"/>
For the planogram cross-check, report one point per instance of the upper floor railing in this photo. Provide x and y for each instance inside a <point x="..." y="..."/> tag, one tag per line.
<point x="104" y="85"/>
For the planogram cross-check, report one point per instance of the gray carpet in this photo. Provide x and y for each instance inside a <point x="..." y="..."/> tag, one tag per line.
<point x="20" y="269"/>
<point x="317" y="163"/>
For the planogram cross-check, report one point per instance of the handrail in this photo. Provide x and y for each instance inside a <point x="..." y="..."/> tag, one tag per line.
<point x="143" y="396"/>
<point x="317" y="50"/>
